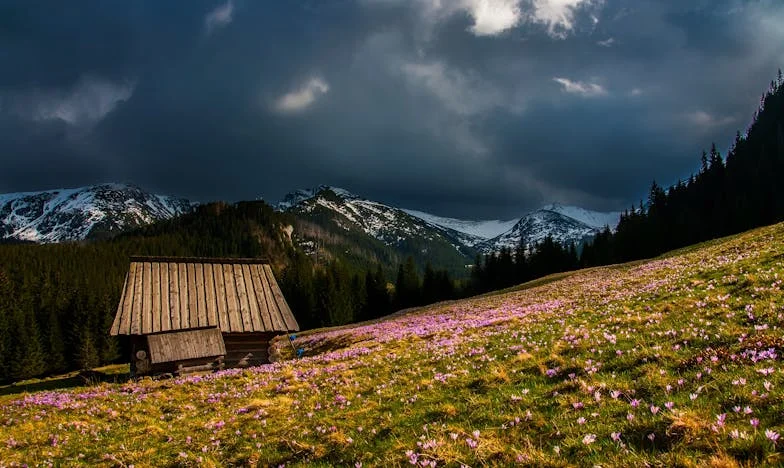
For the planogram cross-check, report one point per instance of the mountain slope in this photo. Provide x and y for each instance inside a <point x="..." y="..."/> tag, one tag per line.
<point x="672" y="362"/>
<point x="595" y="219"/>
<point x="347" y="224"/>
<point x="82" y="213"/>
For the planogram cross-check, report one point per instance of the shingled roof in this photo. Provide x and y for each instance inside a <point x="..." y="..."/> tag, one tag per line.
<point x="236" y="295"/>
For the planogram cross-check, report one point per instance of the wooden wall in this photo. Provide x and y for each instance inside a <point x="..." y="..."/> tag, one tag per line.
<point x="239" y="345"/>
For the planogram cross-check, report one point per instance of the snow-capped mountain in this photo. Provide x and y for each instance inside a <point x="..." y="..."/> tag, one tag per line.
<point x="565" y="224"/>
<point x="81" y="213"/>
<point x="337" y="223"/>
<point x="475" y="231"/>
<point x="385" y="223"/>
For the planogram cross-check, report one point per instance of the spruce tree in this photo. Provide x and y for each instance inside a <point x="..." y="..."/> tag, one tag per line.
<point x="87" y="355"/>
<point x="430" y="292"/>
<point x="407" y="286"/>
<point x="377" y="303"/>
<point x="27" y="355"/>
<point x="56" y="361"/>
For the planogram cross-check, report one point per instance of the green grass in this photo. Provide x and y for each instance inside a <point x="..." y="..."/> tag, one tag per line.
<point x="112" y="373"/>
<point x="660" y="363"/>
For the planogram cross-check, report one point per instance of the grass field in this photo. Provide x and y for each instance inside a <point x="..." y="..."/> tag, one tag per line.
<point x="670" y="362"/>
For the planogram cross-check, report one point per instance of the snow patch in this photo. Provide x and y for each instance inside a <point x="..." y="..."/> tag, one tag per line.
<point x="481" y="229"/>
<point x="595" y="219"/>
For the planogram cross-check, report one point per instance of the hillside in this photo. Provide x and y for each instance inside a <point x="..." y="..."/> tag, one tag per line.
<point x="670" y="362"/>
<point x="335" y="223"/>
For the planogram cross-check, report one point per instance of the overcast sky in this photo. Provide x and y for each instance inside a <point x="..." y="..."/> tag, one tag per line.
<point x="468" y="108"/>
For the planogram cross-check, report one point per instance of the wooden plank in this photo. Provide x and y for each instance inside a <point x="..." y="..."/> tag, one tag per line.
<point x="201" y="299"/>
<point x="136" y="316"/>
<point x="242" y="299"/>
<point x="283" y="306"/>
<point x="261" y="298"/>
<point x="231" y="299"/>
<point x="182" y="282"/>
<point x="174" y="296"/>
<point x="276" y="312"/>
<point x="256" y="323"/>
<point x="123" y="320"/>
<point x="272" y="309"/>
<point x="193" y="304"/>
<point x="184" y="345"/>
<point x="165" y="309"/>
<point x="155" y="284"/>
<point x="147" y="325"/>
<point x="220" y="298"/>
<point x="209" y="293"/>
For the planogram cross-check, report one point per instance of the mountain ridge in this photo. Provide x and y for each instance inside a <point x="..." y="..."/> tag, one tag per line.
<point x="81" y="213"/>
<point x="75" y="214"/>
<point x="473" y="233"/>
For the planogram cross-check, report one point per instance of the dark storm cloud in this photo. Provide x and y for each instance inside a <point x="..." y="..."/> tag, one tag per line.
<point x="439" y="108"/>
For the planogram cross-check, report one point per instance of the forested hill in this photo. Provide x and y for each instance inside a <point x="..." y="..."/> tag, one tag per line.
<point x="726" y="195"/>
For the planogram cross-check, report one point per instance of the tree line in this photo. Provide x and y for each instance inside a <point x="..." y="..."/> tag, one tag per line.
<point x="508" y="267"/>
<point x="727" y="195"/>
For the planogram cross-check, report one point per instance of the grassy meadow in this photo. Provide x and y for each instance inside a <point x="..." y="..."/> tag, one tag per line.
<point x="675" y="361"/>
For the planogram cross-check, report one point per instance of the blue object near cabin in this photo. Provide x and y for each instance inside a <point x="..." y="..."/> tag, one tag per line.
<point x="292" y="337"/>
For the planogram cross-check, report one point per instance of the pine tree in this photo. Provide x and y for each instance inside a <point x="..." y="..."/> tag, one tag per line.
<point x="377" y="304"/>
<point x="110" y="346"/>
<point x="430" y="292"/>
<point x="715" y="157"/>
<point x="56" y="361"/>
<point x="359" y="296"/>
<point x="445" y="287"/>
<point x="28" y="359"/>
<point x="477" y="275"/>
<point x="703" y="163"/>
<point x="407" y="286"/>
<point x="87" y="355"/>
<point x="521" y="261"/>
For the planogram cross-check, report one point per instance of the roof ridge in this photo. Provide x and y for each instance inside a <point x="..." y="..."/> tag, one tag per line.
<point x="223" y="260"/>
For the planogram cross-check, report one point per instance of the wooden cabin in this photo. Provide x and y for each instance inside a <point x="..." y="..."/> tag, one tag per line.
<point x="186" y="314"/>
